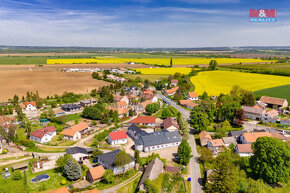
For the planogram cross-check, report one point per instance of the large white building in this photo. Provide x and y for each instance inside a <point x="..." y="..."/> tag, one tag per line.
<point x="117" y="138"/>
<point x="43" y="135"/>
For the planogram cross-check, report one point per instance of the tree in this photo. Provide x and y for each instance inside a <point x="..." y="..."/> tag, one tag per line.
<point x="122" y="159"/>
<point x="178" y="95"/>
<point x="212" y="65"/>
<point x="96" y="153"/>
<point x="204" y="95"/>
<point x="271" y="160"/>
<point x="16" y="175"/>
<point x="131" y="113"/>
<point x="150" y="186"/>
<point x="223" y="177"/>
<point x="183" y="125"/>
<point x="205" y="155"/>
<point x="171" y="62"/>
<point x="239" y="117"/>
<point x="248" y="99"/>
<point x="137" y="156"/>
<point x="109" y="177"/>
<point x="198" y="120"/>
<point x="72" y="170"/>
<point x="62" y="161"/>
<point x="166" y="113"/>
<point x="152" y="108"/>
<point x="222" y="128"/>
<point x="184" y="152"/>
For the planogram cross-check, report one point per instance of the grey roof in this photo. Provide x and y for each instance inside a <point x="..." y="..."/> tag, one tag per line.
<point x="137" y="131"/>
<point x="110" y="157"/>
<point x="86" y="101"/>
<point x="236" y="134"/>
<point x="152" y="171"/>
<point x="71" y="106"/>
<point x="75" y="150"/>
<point x="253" y="110"/>
<point x="159" y="138"/>
<point x="229" y="140"/>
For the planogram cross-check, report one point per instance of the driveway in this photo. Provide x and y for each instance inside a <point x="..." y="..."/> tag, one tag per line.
<point x="196" y="184"/>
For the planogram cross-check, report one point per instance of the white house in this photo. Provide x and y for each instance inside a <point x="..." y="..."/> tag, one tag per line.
<point x="30" y="106"/>
<point x="192" y="96"/>
<point x="244" y="150"/>
<point x="43" y="135"/>
<point x="118" y="98"/>
<point x="271" y="116"/>
<point x="117" y="138"/>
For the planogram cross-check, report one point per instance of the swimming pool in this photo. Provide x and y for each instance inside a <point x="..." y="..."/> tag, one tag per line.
<point x="40" y="178"/>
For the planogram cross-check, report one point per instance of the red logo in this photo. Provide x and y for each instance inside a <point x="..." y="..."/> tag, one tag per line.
<point x="263" y="13"/>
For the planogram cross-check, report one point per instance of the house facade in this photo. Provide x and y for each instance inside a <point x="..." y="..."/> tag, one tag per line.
<point x="274" y="102"/>
<point x="70" y="107"/>
<point x="150" y="121"/>
<point x="43" y="135"/>
<point x="79" y="153"/>
<point x="170" y="124"/>
<point x="244" y="150"/>
<point x="117" y="138"/>
<point x="253" y="113"/>
<point x="30" y="106"/>
<point x="193" y="96"/>
<point x="76" y="132"/>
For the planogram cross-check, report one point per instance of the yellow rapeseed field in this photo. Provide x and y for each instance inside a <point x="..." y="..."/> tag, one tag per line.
<point x="71" y="61"/>
<point x="216" y="82"/>
<point x="163" y="70"/>
<point x="158" y="61"/>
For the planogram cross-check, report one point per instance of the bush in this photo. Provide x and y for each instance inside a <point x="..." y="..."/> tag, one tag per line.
<point x="4" y="151"/>
<point x="16" y="175"/>
<point x="63" y="182"/>
<point x="28" y="143"/>
<point x="109" y="177"/>
<point x="150" y="186"/>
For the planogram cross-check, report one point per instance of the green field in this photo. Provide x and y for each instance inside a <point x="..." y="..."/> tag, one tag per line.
<point x="279" y="91"/>
<point x="216" y="82"/>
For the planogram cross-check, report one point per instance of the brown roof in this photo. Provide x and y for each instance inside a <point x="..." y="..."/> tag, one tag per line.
<point x="172" y="90"/>
<point x="148" y="91"/>
<point x="91" y="191"/>
<point x="203" y="135"/>
<point x="97" y="172"/>
<point x="272" y="113"/>
<point x="118" y="97"/>
<point x="193" y="94"/>
<point x="6" y="119"/>
<point x="76" y="128"/>
<point x="121" y="104"/>
<point x="252" y="137"/>
<point x="39" y="133"/>
<point x="171" y="169"/>
<point x="60" y="190"/>
<point x="120" y="111"/>
<point x="144" y="119"/>
<point x="217" y="142"/>
<point x="272" y="100"/>
<point x="279" y="136"/>
<point x="188" y="103"/>
<point x="148" y="96"/>
<point x="170" y="121"/>
<point x="244" y="148"/>
<point x="253" y="110"/>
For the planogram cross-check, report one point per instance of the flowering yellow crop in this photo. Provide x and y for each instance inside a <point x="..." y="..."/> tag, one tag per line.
<point x="163" y="70"/>
<point x="216" y="82"/>
<point x="71" y="61"/>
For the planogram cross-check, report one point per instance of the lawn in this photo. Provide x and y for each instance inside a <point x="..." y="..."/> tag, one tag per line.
<point x="151" y="77"/>
<point x="279" y="91"/>
<point x="131" y="187"/>
<point x="216" y="82"/>
<point x="163" y="70"/>
<point x="16" y="186"/>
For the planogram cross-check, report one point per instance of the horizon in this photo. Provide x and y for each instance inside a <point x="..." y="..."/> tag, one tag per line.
<point x="141" y="24"/>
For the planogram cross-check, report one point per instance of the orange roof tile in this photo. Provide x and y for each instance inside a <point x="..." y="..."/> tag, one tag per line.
<point x="172" y="90"/>
<point x="97" y="172"/>
<point x="193" y="94"/>
<point x="252" y="137"/>
<point x="217" y="142"/>
<point x="60" y="190"/>
<point x="203" y="135"/>
<point x="92" y="191"/>
<point x="76" y="128"/>
<point x="145" y="103"/>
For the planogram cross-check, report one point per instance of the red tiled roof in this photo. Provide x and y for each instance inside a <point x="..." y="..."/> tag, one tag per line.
<point x="174" y="81"/>
<point x="170" y="122"/>
<point x="203" y="135"/>
<point x="244" y="148"/>
<point x="172" y="90"/>
<point x="148" y="91"/>
<point x="97" y="172"/>
<point x="144" y="119"/>
<point x="32" y="103"/>
<point x="122" y="104"/>
<point x="118" y="135"/>
<point x="120" y="111"/>
<point x="252" y="137"/>
<point x="217" y="142"/>
<point x="39" y="133"/>
<point x="193" y="94"/>
<point x="60" y="190"/>
<point x="279" y="136"/>
<point x="92" y="191"/>
<point x="272" y="113"/>
<point x="76" y="128"/>
<point x="188" y="103"/>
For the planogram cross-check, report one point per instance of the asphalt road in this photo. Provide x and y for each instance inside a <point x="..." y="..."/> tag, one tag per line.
<point x="196" y="183"/>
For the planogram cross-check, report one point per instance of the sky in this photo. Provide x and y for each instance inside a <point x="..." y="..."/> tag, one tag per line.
<point x="142" y="23"/>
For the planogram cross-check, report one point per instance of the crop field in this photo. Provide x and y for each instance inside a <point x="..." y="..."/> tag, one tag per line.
<point x="47" y="83"/>
<point x="164" y="70"/>
<point x="279" y="91"/>
<point x="72" y="61"/>
<point x="161" y="61"/>
<point x="216" y="82"/>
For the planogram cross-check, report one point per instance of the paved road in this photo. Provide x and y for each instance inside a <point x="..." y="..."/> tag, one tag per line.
<point x="196" y="184"/>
